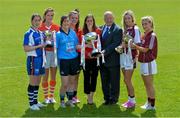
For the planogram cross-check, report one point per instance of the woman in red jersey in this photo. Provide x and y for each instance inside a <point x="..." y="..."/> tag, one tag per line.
<point x="91" y="70"/>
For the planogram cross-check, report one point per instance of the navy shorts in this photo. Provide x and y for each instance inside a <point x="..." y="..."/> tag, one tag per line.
<point x="69" y="66"/>
<point x="34" y="66"/>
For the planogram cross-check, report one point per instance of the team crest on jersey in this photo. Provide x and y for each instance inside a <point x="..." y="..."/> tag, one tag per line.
<point x="36" y="70"/>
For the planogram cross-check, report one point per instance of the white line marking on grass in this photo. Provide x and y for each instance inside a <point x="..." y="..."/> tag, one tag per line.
<point x="11" y="67"/>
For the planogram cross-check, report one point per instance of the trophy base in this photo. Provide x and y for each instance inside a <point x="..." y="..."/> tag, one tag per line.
<point x="49" y="46"/>
<point x="94" y="54"/>
<point x="119" y="49"/>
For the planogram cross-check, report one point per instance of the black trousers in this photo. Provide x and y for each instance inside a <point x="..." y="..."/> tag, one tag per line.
<point x="110" y="78"/>
<point x="90" y="76"/>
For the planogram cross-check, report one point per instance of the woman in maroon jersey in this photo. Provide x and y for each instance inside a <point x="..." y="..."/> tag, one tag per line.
<point x="129" y="56"/>
<point x="147" y="56"/>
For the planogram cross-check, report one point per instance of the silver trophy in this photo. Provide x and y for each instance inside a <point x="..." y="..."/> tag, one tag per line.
<point x="126" y="39"/>
<point x="92" y="38"/>
<point x="49" y="38"/>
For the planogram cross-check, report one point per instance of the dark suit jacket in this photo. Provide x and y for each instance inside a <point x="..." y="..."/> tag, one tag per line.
<point x="112" y="58"/>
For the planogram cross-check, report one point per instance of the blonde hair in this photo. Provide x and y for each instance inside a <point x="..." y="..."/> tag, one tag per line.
<point x="130" y="13"/>
<point x="149" y="19"/>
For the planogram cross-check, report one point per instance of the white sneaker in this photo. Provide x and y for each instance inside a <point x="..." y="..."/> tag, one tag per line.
<point x="147" y="106"/>
<point x="70" y="103"/>
<point x="40" y="105"/>
<point x="34" y="107"/>
<point x="52" y="100"/>
<point x="47" y="101"/>
<point x="75" y="100"/>
<point x="62" y="104"/>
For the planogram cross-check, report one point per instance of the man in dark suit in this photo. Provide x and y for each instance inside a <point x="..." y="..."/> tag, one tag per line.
<point x="110" y="70"/>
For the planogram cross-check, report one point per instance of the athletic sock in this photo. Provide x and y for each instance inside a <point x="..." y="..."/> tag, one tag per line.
<point x="151" y="101"/>
<point x="74" y="94"/>
<point x="45" y="89"/>
<point x="31" y="94"/>
<point x="70" y="95"/>
<point x="36" y="88"/>
<point x="132" y="99"/>
<point x="62" y="97"/>
<point x="52" y="88"/>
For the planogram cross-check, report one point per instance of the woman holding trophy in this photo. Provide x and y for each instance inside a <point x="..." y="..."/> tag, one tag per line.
<point x="129" y="56"/>
<point x="91" y="69"/>
<point x="49" y="29"/>
<point x="66" y="42"/>
<point x="34" y="48"/>
<point x="147" y="56"/>
<point x="74" y="24"/>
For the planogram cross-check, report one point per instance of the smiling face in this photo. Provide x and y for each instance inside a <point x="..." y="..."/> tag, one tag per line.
<point x="66" y="24"/>
<point x="147" y="25"/>
<point x="49" y="16"/>
<point x="108" y="18"/>
<point x="36" y="21"/>
<point x="73" y="19"/>
<point x="128" y="20"/>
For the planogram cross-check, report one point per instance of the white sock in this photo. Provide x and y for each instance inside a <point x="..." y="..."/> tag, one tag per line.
<point x="132" y="99"/>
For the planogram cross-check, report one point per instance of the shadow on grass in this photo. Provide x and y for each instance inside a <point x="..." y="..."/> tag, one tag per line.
<point x="86" y="111"/>
<point x="148" y="113"/>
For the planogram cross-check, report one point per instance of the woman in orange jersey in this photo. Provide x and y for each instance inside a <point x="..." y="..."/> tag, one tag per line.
<point x="51" y="65"/>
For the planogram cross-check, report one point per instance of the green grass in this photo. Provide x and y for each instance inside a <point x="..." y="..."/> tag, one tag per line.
<point x="15" y="20"/>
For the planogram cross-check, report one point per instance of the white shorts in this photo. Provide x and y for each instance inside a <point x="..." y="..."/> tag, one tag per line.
<point x="149" y="68"/>
<point x="50" y="59"/>
<point x="126" y="62"/>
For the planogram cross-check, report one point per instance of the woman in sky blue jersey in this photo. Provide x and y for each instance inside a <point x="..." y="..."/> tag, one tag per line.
<point x="66" y="42"/>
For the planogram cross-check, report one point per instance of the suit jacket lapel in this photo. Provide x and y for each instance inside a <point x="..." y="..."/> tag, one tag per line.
<point x="110" y="32"/>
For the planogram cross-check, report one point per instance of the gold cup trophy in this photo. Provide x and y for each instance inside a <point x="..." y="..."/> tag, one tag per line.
<point x="126" y="39"/>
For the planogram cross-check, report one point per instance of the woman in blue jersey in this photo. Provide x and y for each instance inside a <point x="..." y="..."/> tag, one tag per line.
<point x="33" y="46"/>
<point x="66" y="42"/>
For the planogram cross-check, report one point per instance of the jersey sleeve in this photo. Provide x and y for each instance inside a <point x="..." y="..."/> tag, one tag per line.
<point x="76" y="39"/>
<point x="57" y="39"/>
<point x="152" y="42"/>
<point x="26" y="39"/>
<point x="137" y="37"/>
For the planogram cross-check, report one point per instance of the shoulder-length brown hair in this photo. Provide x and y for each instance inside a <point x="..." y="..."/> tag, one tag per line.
<point x="85" y="28"/>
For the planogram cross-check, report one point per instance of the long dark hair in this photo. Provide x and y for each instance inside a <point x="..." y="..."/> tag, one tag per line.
<point x="85" y="28"/>
<point x="46" y="11"/>
<point x="76" y="11"/>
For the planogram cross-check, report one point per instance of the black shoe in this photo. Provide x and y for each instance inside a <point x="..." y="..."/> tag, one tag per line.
<point x="112" y="102"/>
<point x="106" y="102"/>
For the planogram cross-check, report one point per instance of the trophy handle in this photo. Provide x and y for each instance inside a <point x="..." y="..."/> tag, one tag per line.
<point x="92" y="42"/>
